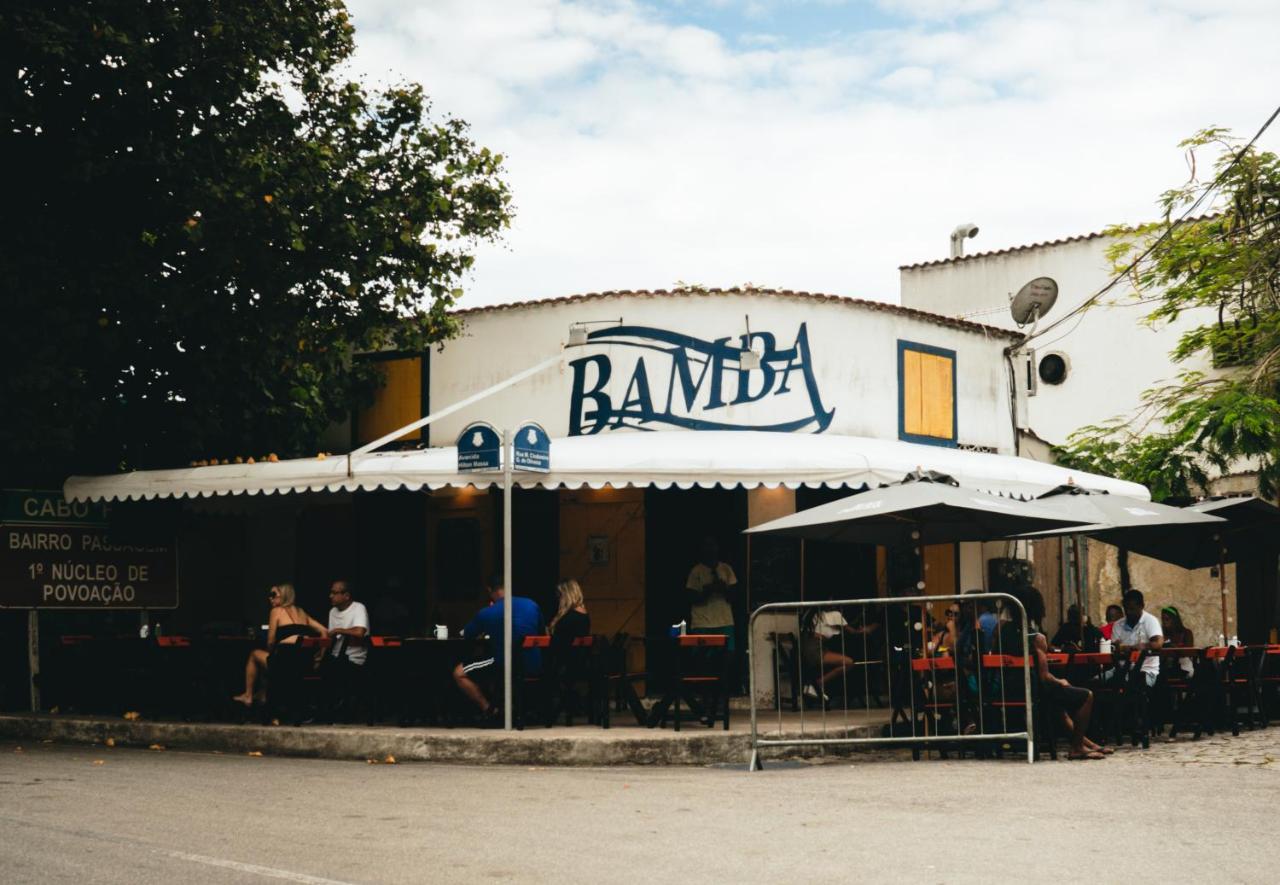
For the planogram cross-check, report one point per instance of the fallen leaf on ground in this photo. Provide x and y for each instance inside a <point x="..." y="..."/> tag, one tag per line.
<point x="110" y="742"/>
<point x="390" y="760"/>
<point x="156" y="747"/>
<point x="99" y="762"/>
<point x="132" y="715"/>
<point x="255" y="752"/>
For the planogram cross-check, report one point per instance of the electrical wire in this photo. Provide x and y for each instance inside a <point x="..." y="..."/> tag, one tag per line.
<point x="1168" y="231"/>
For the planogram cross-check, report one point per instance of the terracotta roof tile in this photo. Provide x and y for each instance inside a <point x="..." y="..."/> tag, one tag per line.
<point x="1078" y="238"/>
<point x="923" y="316"/>
<point x="1023" y="248"/>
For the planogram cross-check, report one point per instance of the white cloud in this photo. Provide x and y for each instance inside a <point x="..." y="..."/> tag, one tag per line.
<point x="643" y="151"/>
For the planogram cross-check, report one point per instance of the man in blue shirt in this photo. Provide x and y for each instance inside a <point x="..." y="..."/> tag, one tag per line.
<point x="526" y="620"/>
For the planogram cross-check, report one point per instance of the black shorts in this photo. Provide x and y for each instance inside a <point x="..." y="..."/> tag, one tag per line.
<point x="1068" y="697"/>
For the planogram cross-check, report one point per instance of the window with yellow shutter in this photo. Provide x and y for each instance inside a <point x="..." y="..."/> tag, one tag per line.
<point x="402" y="398"/>
<point x="926" y="394"/>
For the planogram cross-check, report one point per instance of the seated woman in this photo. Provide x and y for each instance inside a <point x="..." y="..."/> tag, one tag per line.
<point x="571" y="622"/>
<point x="1177" y="634"/>
<point x="286" y="625"/>
<point x="825" y="644"/>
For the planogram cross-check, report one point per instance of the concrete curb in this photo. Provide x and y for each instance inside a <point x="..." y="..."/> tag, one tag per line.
<point x="579" y="746"/>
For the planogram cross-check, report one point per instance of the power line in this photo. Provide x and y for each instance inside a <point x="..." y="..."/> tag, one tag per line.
<point x="1168" y="231"/>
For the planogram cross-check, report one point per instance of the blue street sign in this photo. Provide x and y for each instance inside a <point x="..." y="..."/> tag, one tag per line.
<point x="532" y="449"/>
<point x="479" y="448"/>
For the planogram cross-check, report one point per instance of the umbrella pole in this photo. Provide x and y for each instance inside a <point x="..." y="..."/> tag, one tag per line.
<point x="1222" y="585"/>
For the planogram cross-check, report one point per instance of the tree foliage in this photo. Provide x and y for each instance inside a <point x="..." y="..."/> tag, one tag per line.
<point x="1222" y="412"/>
<point x="206" y="221"/>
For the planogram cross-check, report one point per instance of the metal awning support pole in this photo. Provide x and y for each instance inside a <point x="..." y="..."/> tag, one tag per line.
<point x="508" y="437"/>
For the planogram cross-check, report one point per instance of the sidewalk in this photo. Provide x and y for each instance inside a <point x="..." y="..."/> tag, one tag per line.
<point x="573" y="745"/>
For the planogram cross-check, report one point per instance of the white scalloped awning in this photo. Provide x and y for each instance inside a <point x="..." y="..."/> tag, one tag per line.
<point x="662" y="459"/>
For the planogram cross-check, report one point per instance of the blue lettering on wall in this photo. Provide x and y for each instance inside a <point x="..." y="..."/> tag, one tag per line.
<point x="699" y="376"/>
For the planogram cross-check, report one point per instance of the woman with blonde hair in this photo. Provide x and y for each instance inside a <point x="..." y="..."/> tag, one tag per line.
<point x="571" y="609"/>
<point x="567" y="664"/>
<point x="286" y="625"/>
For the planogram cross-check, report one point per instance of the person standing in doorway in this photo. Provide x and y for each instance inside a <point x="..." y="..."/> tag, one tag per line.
<point x="712" y="583"/>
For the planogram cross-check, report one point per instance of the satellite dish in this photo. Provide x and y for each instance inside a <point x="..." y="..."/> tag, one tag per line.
<point x="1034" y="300"/>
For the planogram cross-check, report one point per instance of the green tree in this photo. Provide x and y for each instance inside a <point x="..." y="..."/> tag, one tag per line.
<point x="1225" y="414"/>
<point x="206" y="221"/>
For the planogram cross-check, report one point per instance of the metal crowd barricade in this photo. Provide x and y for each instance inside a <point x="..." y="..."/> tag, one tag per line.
<point x="892" y="644"/>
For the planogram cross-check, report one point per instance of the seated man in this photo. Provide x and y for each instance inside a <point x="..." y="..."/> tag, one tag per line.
<point x="348" y="627"/>
<point x="1076" y="633"/>
<point x="1138" y="630"/>
<point x="526" y="620"/>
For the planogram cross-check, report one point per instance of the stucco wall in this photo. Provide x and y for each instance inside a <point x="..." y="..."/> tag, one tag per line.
<point x="853" y="349"/>
<point x="1113" y="355"/>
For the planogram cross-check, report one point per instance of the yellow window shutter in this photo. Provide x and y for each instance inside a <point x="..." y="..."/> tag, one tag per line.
<point x="928" y="393"/>
<point x="397" y="403"/>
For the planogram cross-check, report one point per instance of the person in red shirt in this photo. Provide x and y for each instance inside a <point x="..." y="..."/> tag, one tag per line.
<point x="1114" y="613"/>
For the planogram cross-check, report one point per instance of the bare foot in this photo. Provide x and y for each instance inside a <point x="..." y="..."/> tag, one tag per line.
<point x="246" y="699"/>
<point x="1090" y="745"/>
<point x="1085" y="754"/>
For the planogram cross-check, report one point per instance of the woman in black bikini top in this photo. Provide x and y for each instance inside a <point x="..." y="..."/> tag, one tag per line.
<point x="285" y="626"/>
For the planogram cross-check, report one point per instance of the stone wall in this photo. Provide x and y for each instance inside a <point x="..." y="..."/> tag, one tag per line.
<point x="1195" y="592"/>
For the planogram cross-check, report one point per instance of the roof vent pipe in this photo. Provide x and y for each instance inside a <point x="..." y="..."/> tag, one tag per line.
<point x="959" y="235"/>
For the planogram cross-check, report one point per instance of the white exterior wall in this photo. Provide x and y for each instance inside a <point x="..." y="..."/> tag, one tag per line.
<point x="1113" y="356"/>
<point x="853" y="349"/>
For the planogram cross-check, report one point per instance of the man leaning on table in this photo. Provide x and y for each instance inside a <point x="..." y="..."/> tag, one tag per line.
<point x="1138" y="630"/>
<point x="348" y="627"/>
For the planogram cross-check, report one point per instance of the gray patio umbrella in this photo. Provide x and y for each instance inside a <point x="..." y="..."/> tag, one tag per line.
<point x="1251" y="526"/>
<point x="1142" y="527"/>
<point x="1127" y="522"/>
<point x="924" y="509"/>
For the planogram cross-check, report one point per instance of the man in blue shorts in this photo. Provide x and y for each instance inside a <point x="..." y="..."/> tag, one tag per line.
<point x="526" y="620"/>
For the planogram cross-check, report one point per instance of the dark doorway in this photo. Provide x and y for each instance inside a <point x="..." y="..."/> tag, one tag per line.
<point x="676" y="521"/>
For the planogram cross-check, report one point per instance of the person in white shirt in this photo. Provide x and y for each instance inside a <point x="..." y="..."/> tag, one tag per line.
<point x="348" y="618"/>
<point x="711" y="585"/>
<point x="1138" y="630"/>
<point x="349" y="629"/>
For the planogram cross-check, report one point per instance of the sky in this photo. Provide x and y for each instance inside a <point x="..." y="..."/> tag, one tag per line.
<point x="816" y="144"/>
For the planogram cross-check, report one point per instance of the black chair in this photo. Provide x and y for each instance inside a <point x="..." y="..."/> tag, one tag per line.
<point x="293" y="679"/>
<point x="531" y="692"/>
<point x="618" y="681"/>
<point x="576" y="679"/>
<point x="700" y="681"/>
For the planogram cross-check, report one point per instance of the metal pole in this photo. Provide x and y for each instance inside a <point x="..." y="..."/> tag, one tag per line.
<point x="1222" y="585"/>
<point x="33" y="657"/>
<point x="507" y="589"/>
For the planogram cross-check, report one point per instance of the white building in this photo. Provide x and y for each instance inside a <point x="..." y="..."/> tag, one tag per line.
<point x="663" y="431"/>
<point x="1091" y="368"/>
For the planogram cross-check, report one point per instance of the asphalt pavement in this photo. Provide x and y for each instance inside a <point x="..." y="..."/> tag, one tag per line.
<point x="1188" y="812"/>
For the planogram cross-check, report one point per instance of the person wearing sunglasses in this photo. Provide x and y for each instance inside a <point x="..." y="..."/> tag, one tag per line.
<point x="286" y="625"/>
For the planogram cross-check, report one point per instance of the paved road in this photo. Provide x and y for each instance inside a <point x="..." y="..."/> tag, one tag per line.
<point x="1188" y="812"/>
